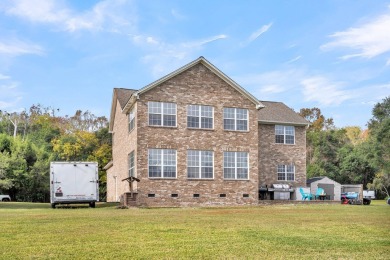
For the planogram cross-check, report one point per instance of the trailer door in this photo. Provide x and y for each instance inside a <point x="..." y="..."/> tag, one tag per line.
<point x="86" y="181"/>
<point x="74" y="182"/>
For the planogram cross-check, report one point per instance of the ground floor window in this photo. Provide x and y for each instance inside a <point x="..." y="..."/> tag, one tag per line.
<point x="200" y="164"/>
<point x="235" y="165"/>
<point x="286" y="172"/>
<point x="131" y="164"/>
<point x="162" y="163"/>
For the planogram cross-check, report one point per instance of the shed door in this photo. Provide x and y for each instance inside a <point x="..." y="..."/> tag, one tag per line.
<point x="328" y="188"/>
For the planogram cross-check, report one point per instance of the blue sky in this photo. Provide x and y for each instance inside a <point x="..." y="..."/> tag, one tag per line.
<point x="66" y="54"/>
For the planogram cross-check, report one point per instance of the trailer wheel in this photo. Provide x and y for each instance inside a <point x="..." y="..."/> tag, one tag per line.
<point x="92" y="204"/>
<point x="6" y="200"/>
<point x="366" y="202"/>
<point x="53" y="205"/>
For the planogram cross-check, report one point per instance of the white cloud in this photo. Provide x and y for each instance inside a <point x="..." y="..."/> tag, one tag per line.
<point x="325" y="92"/>
<point x="45" y="11"/>
<point x="259" y="32"/>
<point x="10" y="96"/>
<point x="108" y="15"/>
<point x="3" y="77"/>
<point x="294" y="59"/>
<point x="175" y="13"/>
<point x="164" y="57"/>
<point x="201" y="42"/>
<point x="266" y="85"/>
<point x="368" y="40"/>
<point x="271" y="89"/>
<point x="388" y="62"/>
<point x="17" y="47"/>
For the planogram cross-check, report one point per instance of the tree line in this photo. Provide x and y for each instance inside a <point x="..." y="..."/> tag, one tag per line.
<point x="351" y="155"/>
<point x="30" y="140"/>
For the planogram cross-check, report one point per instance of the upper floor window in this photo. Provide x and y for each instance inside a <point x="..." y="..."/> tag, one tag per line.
<point x="162" y="163"/>
<point x="284" y="134"/>
<point x="235" y="119"/>
<point x="162" y="114"/>
<point x="131" y="164"/>
<point x="131" y="120"/>
<point x="286" y="172"/>
<point x="235" y="165"/>
<point x="199" y="116"/>
<point x="199" y="164"/>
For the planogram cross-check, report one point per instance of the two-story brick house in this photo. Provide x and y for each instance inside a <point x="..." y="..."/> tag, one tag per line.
<point x="195" y="137"/>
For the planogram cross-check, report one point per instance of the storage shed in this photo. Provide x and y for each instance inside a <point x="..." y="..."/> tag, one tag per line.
<point x="331" y="188"/>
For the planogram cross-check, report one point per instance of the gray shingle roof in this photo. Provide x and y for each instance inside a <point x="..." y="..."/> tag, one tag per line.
<point x="277" y="112"/>
<point x="314" y="179"/>
<point x="124" y="95"/>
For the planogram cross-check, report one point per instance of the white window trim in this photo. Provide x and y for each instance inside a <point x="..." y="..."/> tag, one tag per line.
<point x="162" y="164"/>
<point x="131" y="168"/>
<point x="200" y="117"/>
<point x="235" y="120"/>
<point x="284" y="134"/>
<point x="200" y="165"/>
<point x="132" y="111"/>
<point x="235" y="167"/>
<point x="162" y="114"/>
<point x="285" y="172"/>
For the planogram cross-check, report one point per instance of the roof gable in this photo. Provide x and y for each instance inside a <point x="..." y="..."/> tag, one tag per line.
<point x="122" y="95"/>
<point x="208" y="65"/>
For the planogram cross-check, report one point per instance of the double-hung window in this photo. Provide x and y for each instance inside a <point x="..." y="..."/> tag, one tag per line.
<point x="131" y="164"/>
<point x="286" y="172"/>
<point x="162" y="163"/>
<point x="199" y="116"/>
<point x="235" y="119"/>
<point x="235" y="165"/>
<point x="162" y="114"/>
<point x="199" y="164"/>
<point x="131" y="120"/>
<point x="284" y="134"/>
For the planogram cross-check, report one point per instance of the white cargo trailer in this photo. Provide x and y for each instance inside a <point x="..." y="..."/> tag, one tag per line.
<point x="74" y="182"/>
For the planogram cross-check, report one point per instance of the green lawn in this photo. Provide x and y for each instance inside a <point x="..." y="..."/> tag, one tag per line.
<point x="30" y="230"/>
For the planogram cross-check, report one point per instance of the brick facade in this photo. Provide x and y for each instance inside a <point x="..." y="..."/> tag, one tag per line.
<point x="197" y="85"/>
<point x="123" y="143"/>
<point x="271" y="154"/>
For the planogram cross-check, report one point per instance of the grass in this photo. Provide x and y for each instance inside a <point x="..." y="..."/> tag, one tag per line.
<point x="33" y="230"/>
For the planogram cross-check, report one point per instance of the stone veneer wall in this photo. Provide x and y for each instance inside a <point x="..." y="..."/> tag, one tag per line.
<point x="198" y="86"/>
<point x="271" y="154"/>
<point x="123" y="143"/>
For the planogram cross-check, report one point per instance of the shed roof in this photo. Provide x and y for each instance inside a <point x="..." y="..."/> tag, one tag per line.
<point x="279" y="113"/>
<point x="314" y="179"/>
